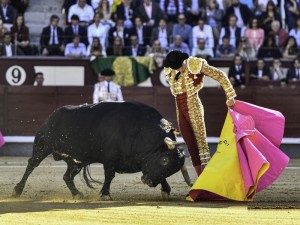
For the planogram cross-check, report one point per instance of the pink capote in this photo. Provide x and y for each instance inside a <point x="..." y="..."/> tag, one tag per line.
<point x="258" y="134"/>
<point x="2" y="141"/>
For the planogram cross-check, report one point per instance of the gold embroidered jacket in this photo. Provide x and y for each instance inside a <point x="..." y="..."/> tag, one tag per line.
<point x="191" y="81"/>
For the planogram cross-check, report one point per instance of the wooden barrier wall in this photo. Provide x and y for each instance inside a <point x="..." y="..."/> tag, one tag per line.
<point x="24" y="108"/>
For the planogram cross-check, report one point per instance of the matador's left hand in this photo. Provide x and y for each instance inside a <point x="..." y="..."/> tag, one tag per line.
<point x="230" y="102"/>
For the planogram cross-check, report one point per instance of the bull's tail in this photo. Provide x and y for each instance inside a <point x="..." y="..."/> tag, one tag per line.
<point x="88" y="178"/>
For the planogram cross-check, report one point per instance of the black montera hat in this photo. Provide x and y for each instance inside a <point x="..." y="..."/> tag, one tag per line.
<point x="107" y="72"/>
<point x="175" y="59"/>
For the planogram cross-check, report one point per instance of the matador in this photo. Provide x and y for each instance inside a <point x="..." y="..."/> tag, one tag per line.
<point x="185" y="75"/>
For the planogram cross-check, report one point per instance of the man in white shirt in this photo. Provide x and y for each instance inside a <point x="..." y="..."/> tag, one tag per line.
<point x="203" y="31"/>
<point x="106" y="89"/>
<point x="9" y="49"/>
<point x="84" y="11"/>
<point x="98" y="30"/>
<point x="76" y="49"/>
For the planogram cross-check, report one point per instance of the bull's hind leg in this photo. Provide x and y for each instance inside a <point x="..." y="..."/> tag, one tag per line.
<point x="72" y="170"/>
<point x="109" y="173"/>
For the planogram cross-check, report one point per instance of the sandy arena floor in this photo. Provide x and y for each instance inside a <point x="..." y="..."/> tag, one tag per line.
<point x="47" y="200"/>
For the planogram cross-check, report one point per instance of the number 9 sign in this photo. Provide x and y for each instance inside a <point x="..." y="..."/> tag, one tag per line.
<point x="15" y="75"/>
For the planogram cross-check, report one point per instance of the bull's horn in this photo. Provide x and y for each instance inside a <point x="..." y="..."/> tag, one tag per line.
<point x="186" y="175"/>
<point x="170" y="143"/>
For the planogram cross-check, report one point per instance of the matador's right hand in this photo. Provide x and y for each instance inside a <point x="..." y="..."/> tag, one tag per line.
<point x="230" y="102"/>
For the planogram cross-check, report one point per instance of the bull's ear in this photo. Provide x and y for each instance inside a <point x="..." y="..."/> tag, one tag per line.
<point x="170" y="143"/>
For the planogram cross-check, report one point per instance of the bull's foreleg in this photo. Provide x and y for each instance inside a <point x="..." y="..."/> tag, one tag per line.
<point x="109" y="173"/>
<point x="71" y="172"/>
<point x="165" y="189"/>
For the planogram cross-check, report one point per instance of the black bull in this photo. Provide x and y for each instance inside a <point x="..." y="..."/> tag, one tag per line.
<point x="125" y="137"/>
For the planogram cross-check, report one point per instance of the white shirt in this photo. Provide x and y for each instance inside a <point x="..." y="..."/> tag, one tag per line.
<point x="80" y="50"/>
<point x="85" y="14"/>
<point x="99" y="31"/>
<point x="8" y="49"/>
<point x="55" y="36"/>
<point x="134" y="51"/>
<point x="237" y="12"/>
<point x="163" y="37"/>
<point x="4" y="10"/>
<point x="148" y="10"/>
<point x="95" y="3"/>
<point x="140" y="35"/>
<point x="101" y="92"/>
<point x="195" y="5"/>
<point x="232" y="37"/>
<point x="205" y="34"/>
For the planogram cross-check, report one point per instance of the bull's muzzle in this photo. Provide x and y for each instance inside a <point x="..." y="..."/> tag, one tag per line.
<point x="170" y="143"/>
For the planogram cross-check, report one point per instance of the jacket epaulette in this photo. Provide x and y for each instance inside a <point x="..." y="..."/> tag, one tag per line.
<point x="194" y="64"/>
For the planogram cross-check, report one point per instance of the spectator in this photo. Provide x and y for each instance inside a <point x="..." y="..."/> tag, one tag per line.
<point x="261" y="5"/>
<point x="38" y="79"/>
<point x="172" y="9"/>
<point x="20" y="35"/>
<point x="236" y="72"/>
<point x="225" y="50"/>
<point x="245" y="50"/>
<point x="73" y="29"/>
<point x="269" y="16"/>
<point x="214" y="18"/>
<point x="242" y="12"/>
<point x="8" y="49"/>
<point x="134" y="49"/>
<point x="95" y="49"/>
<point x="150" y="13"/>
<point x="76" y="49"/>
<point x="184" y="30"/>
<point x="260" y="71"/>
<point x="292" y="11"/>
<point x="98" y="30"/>
<point x="52" y="38"/>
<point x="3" y="30"/>
<point x="7" y="12"/>
<point x="67" y="4"/>
<point x="269" y="49"/>
<point x="254" y="34"/>
<point x="20" y="5"/>
<point x="157" y="53"/>
<point x="279" y="34"/>
<point x="202" y="51"/>
<point x="232" y="31"/>
<point x="95" y="3"/>
<point x="118" y="30"/>
<point x="105" y="9"/>
<point x="106" y="89"/>
<point x="195" y="9"/>
<point x="179" y="45"/>
<point x="125" y="12"/>
<point x="293" y="74"/>
<point x="277" y="72"/>
<point x="295" y="32"/>
<point x="142" y="32"/>
<point x="291" y="50"/>
<point x="84" y="11"/>
<point x="116" y="49"/>
<point x="162" y="33"/>
<point x="203" y="31"/>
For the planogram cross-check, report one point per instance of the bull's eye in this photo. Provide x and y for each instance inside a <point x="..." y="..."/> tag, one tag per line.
<point x="164" y="161"/>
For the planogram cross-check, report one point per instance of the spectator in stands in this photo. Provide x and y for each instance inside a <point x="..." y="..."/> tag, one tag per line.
<point x="118" y="30"/>
<point x="95" y="49"/>
<point x="214" y="18"/>
<point x="52" y="38"/>
<point x="3" y="30"/>
<point x="95" y="3"/>
<point x="20" y="5"/>
<point x="157" y="53"/>
<point x="179" y="45"/>
<point x="150" y="13"/>
<point x="38" y="79"/>
<point x="242" y="12"/>
<point x="232" y="31"/>
<point x="20" y="35"/>
<point x="269" y="49"/>
<point x="73" y="29"/>
<point x="202" y="51"/>
<point x="225" y="50"/>
<point x="125" y="12"/>
<point x="84" y="11"/>
<point x="172" y="9"/>
<point x="295" y="32"/>
<point x="236" y="72"/>
<point x="194" y="9"/>
<point x="106" y="89"/>
<point x="203" y="31"/>
<point x="279" y="34"/>
<point x="293" y="74"/>
<point x="76" y="49"/>
<point x="7" y="12"/>
<point x="291" y="50"/>
<point x="9" y="49"/>
<point x="245" y="50"/>
<point x="134" y="49"/>
<point x="142" y="32"/>
<point x="162" y="33"/>
<point x="105" y="9"/>
<point x="184" y="30"/>
<point x="98" y="30"/>
<point x="116" y="49"/>
<point x="254" y="34"/>
<point x="292" y="11"/>
<point x="67" y="4"/>
<point x="261" y="5"/>
<point x="269" y="16"/>
<point x="277" y="72"/>
<point x="260" y="71"/>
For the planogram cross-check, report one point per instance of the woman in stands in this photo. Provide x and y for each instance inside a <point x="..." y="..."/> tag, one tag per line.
<point x="95" y="49"/>
<point x="105" y="9"/>
<point x="291" y="49"/>
<point x="269" y="49"/>
<point x="3" y="30"/>
<point x="254" y="34"/>
<point x="117" y="48"/>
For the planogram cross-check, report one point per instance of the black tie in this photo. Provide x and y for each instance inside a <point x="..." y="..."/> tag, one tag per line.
<point x="108" y="89"/>
<point x="177" y="76"/>
<point x="53" y="36"/>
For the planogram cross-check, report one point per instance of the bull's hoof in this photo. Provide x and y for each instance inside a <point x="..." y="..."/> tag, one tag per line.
<point x="106" y="198"/>
<point x="78" y="196"/>
<point x="165" y="195"/>
<point x="15" y="194"/>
